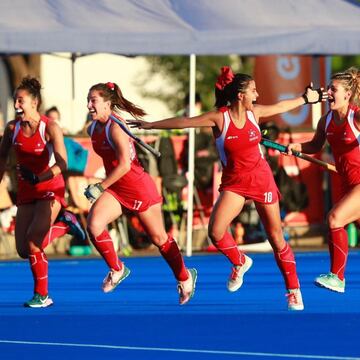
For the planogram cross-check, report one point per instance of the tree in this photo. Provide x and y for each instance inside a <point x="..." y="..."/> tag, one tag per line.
<point x="176" y="70"/>
<point x="22" y="65"/>
<point x="340" y="63"/>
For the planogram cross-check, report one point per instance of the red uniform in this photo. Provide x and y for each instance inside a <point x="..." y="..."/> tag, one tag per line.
<point x="135" y="190"/>
<point x="36" y="154"/>
<point x="344" y="140"/>
<point x="245" y="171"/>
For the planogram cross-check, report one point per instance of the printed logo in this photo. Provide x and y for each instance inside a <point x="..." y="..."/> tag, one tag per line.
<point x="252" y="135"/>
<point x="48" y="195"/>
<point x="232" y="137"/>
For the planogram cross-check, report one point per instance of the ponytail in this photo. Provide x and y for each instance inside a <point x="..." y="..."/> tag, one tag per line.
<point x="111" y="92"/>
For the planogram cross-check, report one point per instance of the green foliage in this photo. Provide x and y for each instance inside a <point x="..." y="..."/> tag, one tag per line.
<point x="341" y="63"/>
<point x="176" y="70"/>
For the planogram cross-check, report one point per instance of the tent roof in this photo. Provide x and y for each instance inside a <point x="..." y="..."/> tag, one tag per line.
<point x="246" y="27"/>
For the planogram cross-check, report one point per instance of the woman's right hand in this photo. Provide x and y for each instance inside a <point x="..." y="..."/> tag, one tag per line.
<point x="293" y="147"/>
<point x="140" y="124"/>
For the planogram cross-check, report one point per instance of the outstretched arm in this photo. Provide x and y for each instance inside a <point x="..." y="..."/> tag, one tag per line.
<point x="180" y="122"/>
<point x="310" y="96"/>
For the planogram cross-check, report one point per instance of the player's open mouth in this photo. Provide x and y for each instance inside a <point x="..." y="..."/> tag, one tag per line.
<point x="19" y="112"/>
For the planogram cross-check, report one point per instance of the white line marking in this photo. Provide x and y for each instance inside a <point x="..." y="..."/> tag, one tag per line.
<point x="219" y="352"/>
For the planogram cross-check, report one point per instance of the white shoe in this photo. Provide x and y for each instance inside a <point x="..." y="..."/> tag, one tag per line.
<point x="186" y="288"/>
<point x="294" y="299"/>
<point x="236" y="278"/>
<point x="114" y="278"/>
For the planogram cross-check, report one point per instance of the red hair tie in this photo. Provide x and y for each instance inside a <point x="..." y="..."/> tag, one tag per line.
<point x="110" y="85"/>
<point x="226" y="76"/>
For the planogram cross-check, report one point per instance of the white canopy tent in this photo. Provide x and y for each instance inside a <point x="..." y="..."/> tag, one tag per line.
<point x="249" y="27"/>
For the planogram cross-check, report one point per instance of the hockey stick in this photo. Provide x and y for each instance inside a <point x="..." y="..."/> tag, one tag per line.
<point x="283" y="149"/>
<point x="137" y="139"/>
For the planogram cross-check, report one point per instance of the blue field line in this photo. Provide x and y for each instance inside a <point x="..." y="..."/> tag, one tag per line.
<point x="173" y="350"/>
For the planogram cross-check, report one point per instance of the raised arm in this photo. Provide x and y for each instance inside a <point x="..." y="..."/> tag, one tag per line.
<point x="310" y="96"/>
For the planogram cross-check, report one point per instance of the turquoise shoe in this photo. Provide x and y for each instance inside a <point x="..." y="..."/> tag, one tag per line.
<point x="330" y="281"/>
<point x="39" y="301"/>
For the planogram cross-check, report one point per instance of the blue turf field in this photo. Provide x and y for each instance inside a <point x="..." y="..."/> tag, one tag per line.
<point x="141" y="319"/>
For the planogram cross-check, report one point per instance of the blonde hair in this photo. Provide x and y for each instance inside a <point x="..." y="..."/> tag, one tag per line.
<point x="350" y="80"/>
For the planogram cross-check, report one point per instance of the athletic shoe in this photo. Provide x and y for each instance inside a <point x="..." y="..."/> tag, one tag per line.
<point x="114" y="278"/>
<point x="186" y="288"/>
<point x="294" y="300"/>
<point x="39" y="301"/>
<point x="236" y="278"/>
<point x="330" y="281"/>
<point x="71" y="220"/>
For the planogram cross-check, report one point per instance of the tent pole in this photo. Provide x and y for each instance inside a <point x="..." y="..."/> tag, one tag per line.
<point x="191" y="160"/>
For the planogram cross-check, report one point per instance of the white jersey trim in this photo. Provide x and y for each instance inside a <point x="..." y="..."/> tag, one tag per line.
<point x="355" y="131"/>
<point x="220" y="141"/>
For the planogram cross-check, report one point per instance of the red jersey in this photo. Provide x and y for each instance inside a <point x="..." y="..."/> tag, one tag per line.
<point x="135" y="189"/>
<point x="245" y="171"/>
<point x="344" y="140"/>
<point x="36" y="154"/>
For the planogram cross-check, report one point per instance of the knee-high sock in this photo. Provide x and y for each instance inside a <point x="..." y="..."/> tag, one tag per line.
<point x="39" y="268"/>
<point x="171" y="253"/>
<point x="56" y="230"/>
<point x="104" y="245"/>
<point x="228" y="247"/>
<point x="287" y="265"/>
<point x="338" y="248"/>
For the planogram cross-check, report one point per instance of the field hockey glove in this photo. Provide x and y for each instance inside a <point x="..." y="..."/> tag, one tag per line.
<point x="28" y="175"/>
<point x="313" y="96"/>
<point x="93" y="191"/>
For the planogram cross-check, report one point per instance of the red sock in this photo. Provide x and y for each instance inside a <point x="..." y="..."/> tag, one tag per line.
<point x="39" y="267"/>
<point x="56" y="230"/>
<point x="287" y="265"/>
<point x="228" y="247"/>
<point x="104" y="245"/>
<point x="338" y="248"/>
<point x="171" y="253"/>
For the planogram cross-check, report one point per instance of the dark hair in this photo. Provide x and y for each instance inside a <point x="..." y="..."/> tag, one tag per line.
<point x="111" y="92"/>
<point x="51" y="109"/>
<point x="228" y="94"/>
<point x="33" y="87"/>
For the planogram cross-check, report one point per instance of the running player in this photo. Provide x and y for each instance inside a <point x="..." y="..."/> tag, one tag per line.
<point x="128" y="186"/>
<point x="246" y="174"/>
<point x="41" y="158"/>
<point x="341" y="128"/>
